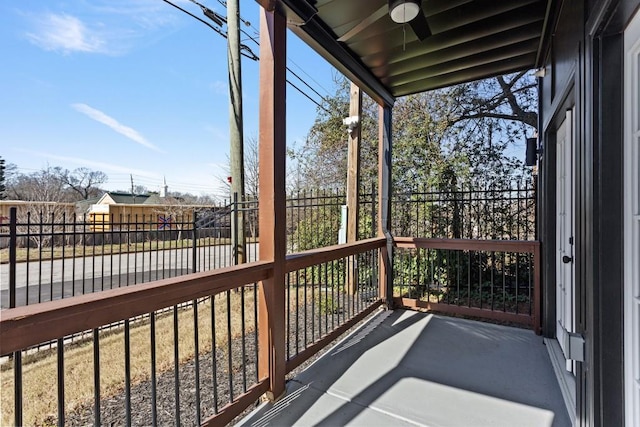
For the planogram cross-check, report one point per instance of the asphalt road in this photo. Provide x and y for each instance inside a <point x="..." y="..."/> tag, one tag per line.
<point x="54" y="279"/>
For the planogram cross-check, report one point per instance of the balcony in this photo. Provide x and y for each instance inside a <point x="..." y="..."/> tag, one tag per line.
<point x="410" y="368"/>
<point x="216" y="341"/>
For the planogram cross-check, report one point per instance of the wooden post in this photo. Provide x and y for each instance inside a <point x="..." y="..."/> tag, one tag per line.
<point x="353" y="183"/>
<point x="272" y="214"/>
<point x="384" y="207"/>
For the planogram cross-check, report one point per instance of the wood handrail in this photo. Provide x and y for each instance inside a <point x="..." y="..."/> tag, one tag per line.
<point x="521" y="246"/>
<point x="517" y="246"/>
<point x="311" y="257"/>
<point x="30" y="325"/>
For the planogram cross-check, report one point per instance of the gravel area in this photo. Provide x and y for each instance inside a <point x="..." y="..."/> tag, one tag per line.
<point x="112" y="409"/>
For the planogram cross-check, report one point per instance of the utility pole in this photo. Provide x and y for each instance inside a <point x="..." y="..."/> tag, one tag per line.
<point x="235" y="128"/>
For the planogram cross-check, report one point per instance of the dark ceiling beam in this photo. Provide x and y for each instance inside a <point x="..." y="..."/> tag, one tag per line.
<point x="323" y="40"/>
<point x="505" y="53"/>
<point x="467" y="75"/>
<point x="356" y="24"/>
<point x="434" y="7"/>
<point x="477" y="11"/>
<point x="362" y="24"/>
<point x="483" y="44"/>
<point x="394" y="51"/>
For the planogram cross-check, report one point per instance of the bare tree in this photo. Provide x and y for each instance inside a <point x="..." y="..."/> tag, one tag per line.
<point x="82" y="181"/>
<point x="49" y="196"/>
<point x="250" y="169"/>
<point x="511" y="98"/>
<point x="55" y="184"/>
<point x="41" y="186"/>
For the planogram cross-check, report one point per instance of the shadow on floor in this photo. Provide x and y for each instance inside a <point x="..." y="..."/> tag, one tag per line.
<point x="411" y="368"/>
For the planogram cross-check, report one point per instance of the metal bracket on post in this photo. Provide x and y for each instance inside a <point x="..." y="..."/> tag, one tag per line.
<point x="342" y="231"/>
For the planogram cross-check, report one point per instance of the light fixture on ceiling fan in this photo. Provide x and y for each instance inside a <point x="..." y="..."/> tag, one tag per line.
<point x="410" y="11"/>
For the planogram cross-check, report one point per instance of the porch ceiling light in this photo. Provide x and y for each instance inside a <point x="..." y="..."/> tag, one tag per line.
<point x="402" y="11"/>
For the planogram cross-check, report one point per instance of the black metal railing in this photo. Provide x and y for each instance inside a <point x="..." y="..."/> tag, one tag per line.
<point x="323" y="296"/>
<point x="198" y="334"/>
<point x="187" y="350"/>
<point x="479" y="211"/>
<point x="60" y="255"/>
<point x="491" y="279"/>
<point x="172" y="361"/>
<point x="64" y="257"/>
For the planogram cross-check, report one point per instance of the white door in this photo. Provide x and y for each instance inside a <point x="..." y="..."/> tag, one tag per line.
<point x="565" y="287"/>
<point x="632" y="221"/>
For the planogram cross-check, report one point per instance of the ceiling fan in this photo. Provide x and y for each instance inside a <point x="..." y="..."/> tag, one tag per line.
<point x="410" y="11"/>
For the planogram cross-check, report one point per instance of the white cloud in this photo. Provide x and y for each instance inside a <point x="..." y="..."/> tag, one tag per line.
<point x="111" y="27"/>
<point x="102" y="166"/>
<point x="109" y="121"/>
<point x="219" y="87"/>
<point x="65" y="33"/>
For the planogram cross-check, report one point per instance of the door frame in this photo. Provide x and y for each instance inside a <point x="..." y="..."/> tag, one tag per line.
<point x="631" y="221"/>
<point x="565" y="235"/>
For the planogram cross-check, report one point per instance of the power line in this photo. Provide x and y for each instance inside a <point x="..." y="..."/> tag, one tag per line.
<point x="307" y="96"/>
<point x="253" y="39"/>
<point x="306" y="84"/>
<point x="217" y="30"/>
<point x="244" y="49"/>
<point x="289" y="59"/>
<point x="310" y="76"/>
<point x="292" y="72"/>
<point x="288" y="69"/>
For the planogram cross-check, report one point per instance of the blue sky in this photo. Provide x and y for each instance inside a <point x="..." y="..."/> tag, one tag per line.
<point x="132" y="87"/>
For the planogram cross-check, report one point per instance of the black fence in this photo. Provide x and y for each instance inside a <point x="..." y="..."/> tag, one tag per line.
<point x="47" y="255"/>
<point x="469" y="252"/>
<point x="50" y="255"/>
<point x="476" y="211"/>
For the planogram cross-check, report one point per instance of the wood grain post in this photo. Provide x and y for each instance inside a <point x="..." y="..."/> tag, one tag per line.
<point x="384" y="207"/>
<point x="272" y="214"/>
<point x="537" y="290"/>
<point x="353" y="183"/>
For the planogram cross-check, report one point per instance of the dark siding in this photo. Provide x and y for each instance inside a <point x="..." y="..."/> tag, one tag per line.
<point x="608" y="276"/>
<point x="568" y="36"/>
<point x="585" y="67"/>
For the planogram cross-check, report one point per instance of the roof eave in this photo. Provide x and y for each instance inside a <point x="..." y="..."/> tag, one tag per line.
<point x="319" y="38"/>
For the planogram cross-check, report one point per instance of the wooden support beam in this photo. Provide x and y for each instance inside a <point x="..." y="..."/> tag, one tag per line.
<point x="384" y="206"/>
<point x="272" y="214"/>
<point x="353" y="180"/>
<point x="353" y="164"/>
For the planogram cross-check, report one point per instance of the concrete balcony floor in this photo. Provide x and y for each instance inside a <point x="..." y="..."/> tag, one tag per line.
<point x="410" y="368"/>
